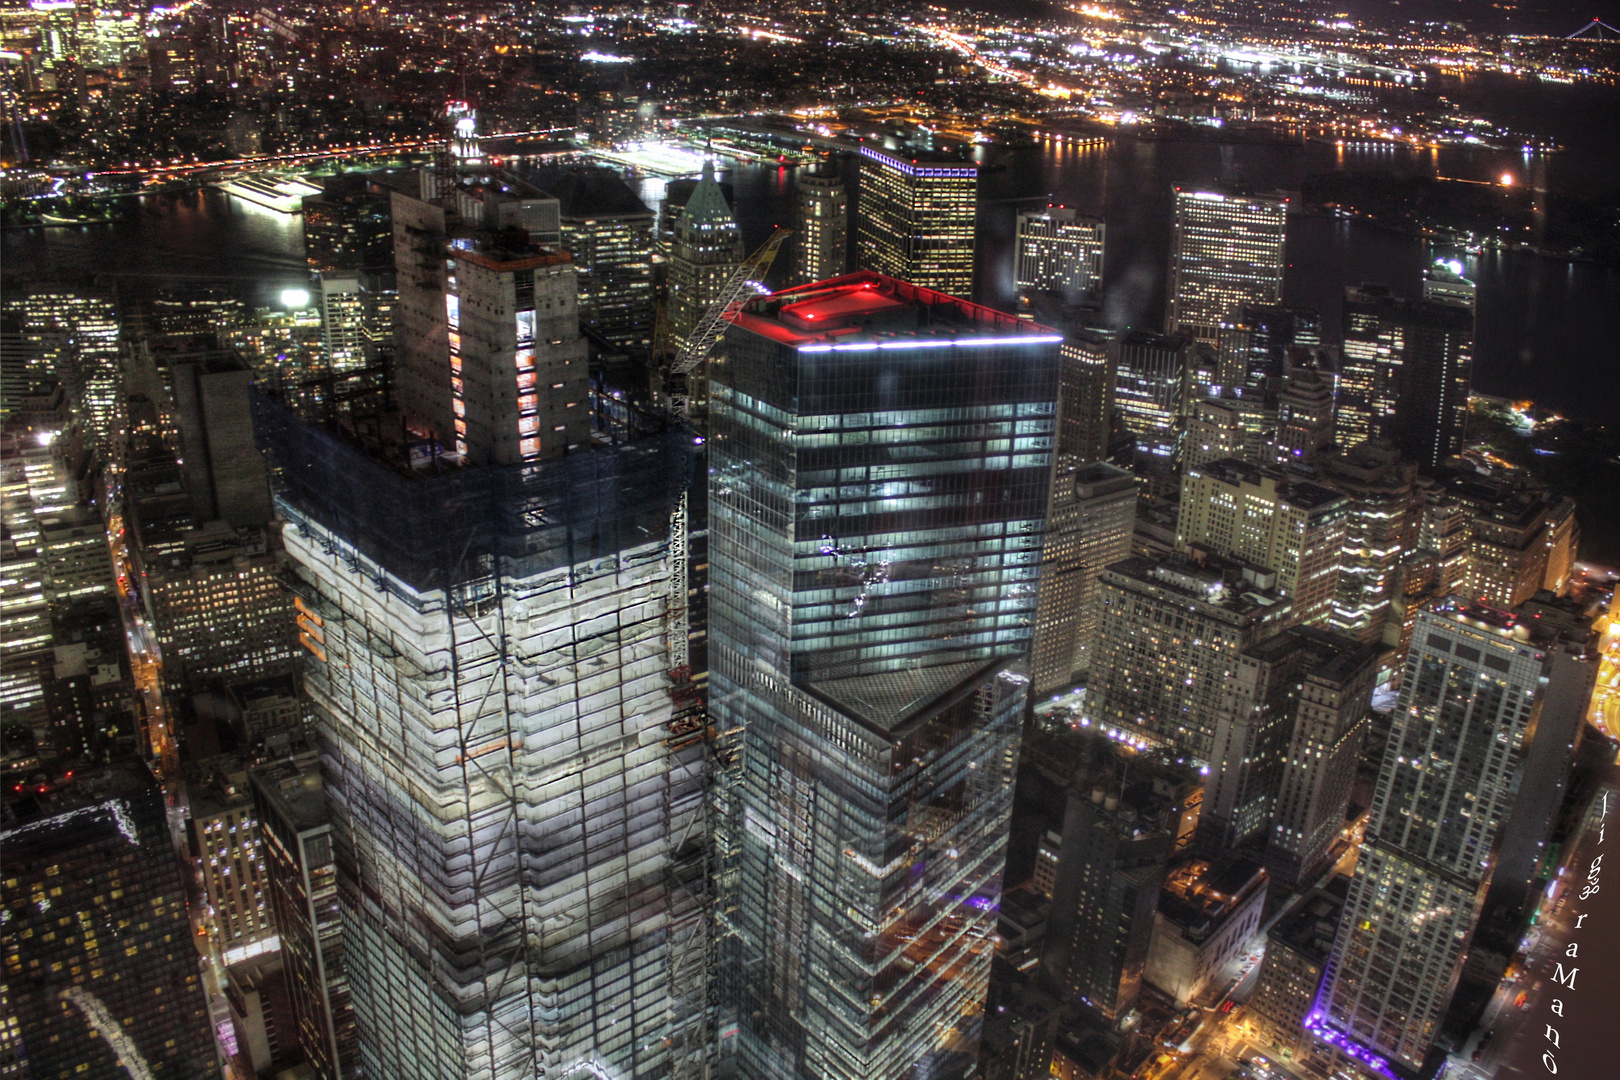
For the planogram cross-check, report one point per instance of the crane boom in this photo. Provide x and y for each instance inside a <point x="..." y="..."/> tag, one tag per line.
<point x="737" y="291"/>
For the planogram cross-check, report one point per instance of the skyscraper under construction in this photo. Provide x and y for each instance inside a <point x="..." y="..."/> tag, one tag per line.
<point x="487" y="617"/>
<point x="879" y="461"/>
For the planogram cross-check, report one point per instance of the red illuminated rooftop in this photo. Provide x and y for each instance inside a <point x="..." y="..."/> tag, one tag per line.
<point x="867" y="306"/>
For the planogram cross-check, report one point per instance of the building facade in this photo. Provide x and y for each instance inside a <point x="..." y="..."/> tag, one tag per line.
<point x="706" y="251"/>
<point x="879" y="458"/>
<point x="1292" y="527"/>
<point x="1058" y="250"/>
<point x="1089" y="524"/>
<point x="1227" y="251"/>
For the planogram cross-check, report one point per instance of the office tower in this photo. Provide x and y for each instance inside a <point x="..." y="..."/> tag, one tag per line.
<point x="1285" y="750"/>
<point x="225" y="835"/>
<point x="78" y="564"/>
<point x="343" y="320"/>
<point x="225" y="473"/>
<point x="1253" y="345"/>
<point x="1444" y="530"/>
<point x="609" y="232"/>
<point x="1058" y="250"/>
<point x="25" y="628"/>
<point x="1170" y="632"/>
<point x="823" y="241"/>
<point x="917" y="218"/>
<point x="1150" y="375"/>
<point x="486" y="652"/>
<point x="1304" y="414"/>
<point x="78" y="336"/>
<point x="1109" y="871"/>
<point x="261" y="1015"/>
<point x="1089" y="522"/>
<point x="1380" y="530"/>
<point x="867" y="613"/>
<point x="217" y="605"/>
<point x="706" y="251"/>
<point x="348" y="227"/>
<point x="98" y="953"/>
<point x="1297" y="948"/>
<point x="1208" y="911"/>
<point x="1227" y="252"/>
<point x="289" y="802"/>
<point x="1085" y="395"/>
<point x="1478" y="684"/>
<point x="1262" y="516"/>
<point x="1408" y="365"/>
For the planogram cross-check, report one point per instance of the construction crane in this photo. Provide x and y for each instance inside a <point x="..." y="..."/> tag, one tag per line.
<point x="102" y="1023"/>
<point x="742" y="286"/>
<point x="692" y="961"/>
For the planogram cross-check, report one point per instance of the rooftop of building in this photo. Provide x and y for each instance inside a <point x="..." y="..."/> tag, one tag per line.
<point x="866" y="310"/>
<point x="506" y="251"/>
<point x="1210" y="580"/>
<point x="892" y="702"/>
<point x="1308" y="927"/>
<point x="1297" y="492"/>
<point x="296" y="791"/>
<point x="1381" y="302"/>
<point x="588" y="193"/>
<point x="1334" y="657"/>
<point x="34" y="812"/>
<point x="1521" y="626"/>
<point x="916" y="160"/>
<point x="1199" y="895"/>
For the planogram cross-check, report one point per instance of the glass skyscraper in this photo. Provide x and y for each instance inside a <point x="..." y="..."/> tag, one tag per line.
<point x="879" y="462"/>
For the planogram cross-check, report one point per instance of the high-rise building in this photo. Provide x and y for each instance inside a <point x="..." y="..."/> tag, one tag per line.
<point x="1109" y="870"/>
<point x="879" y="458"/>
<point x="1408" y="366"/>
<point x="823" y="243"/>
<point x="1221" y="427"/>
<point x="1265" y="517"/>
<point x="1254" y="344"/>
<point x="1297" y="948"/>
<point x="1085" y="395"/>
<point x="301" y="871"/>
<point x="78" y="564"/>
<point x="917" y="218"/>
<point x="225" y="835"/>
<point x="77" y="335"/>
<point x="706" y="251"/>
<point x="348" y="226"/>
<point x="1058" y="250"/>
<point x="1380" y="530"/>
<point x="1304" y="414"/>
<point x="1150" y="382"/>
<point x="486" y="651"/>
<point x="225" y="474"/>
<point x="217" y="606"/>
<point x="1286" y="746"/>
<point x="99" y="964"/>
<point x="1477" y="682"/>
<point x="609" y="232"/>
<point x="343" y="320"/>
<point x="1170" y="633"/>
<point x="1089" y="523"/>
<point x="1227" y="252"/>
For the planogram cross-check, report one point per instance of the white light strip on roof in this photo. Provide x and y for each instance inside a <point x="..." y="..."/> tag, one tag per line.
<point x="867" y="346"/>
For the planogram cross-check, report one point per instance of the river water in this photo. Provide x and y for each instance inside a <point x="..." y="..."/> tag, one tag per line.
<point x="1548" y="329"/>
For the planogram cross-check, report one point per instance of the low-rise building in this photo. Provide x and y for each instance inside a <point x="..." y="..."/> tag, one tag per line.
<point x="1208" y="911"/>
